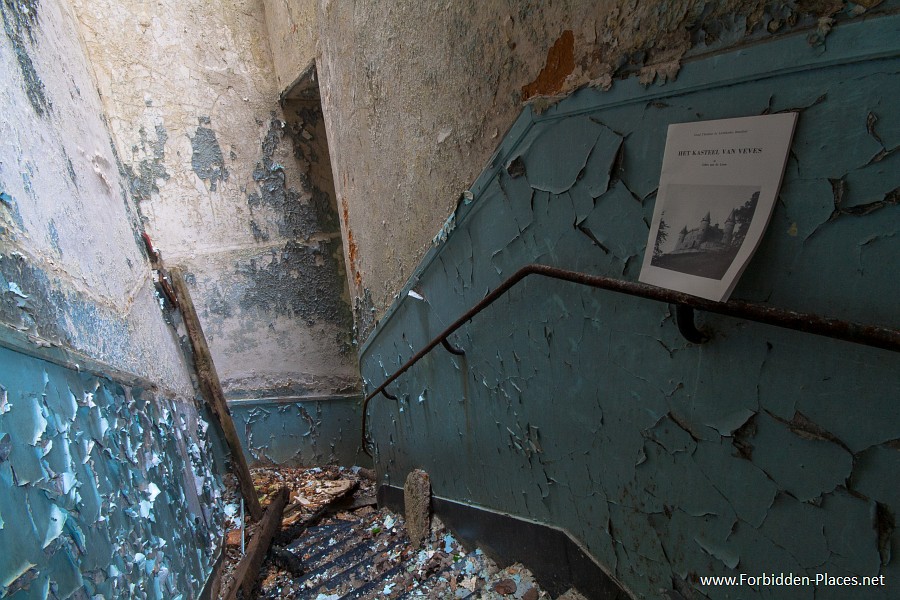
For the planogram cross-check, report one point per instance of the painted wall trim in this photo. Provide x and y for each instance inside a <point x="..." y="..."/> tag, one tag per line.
<point x="848" y="43"/>
<point x="295" y="399"/>
<point x="38" y="347"/>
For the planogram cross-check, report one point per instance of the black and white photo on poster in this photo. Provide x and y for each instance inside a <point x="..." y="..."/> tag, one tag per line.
<point x="703" y="238"/>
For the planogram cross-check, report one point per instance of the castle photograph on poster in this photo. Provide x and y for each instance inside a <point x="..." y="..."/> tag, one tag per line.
<point x="717" y="189"/>
<point x="700" y="244"/>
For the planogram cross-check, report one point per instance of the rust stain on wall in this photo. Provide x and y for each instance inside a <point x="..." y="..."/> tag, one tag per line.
<point x="560" y="64"/>
<point x="352" y="249"/>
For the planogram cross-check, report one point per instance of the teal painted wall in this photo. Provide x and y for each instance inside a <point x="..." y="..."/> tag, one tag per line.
<point x="105" y="490"/>
<point x="764" y="450"/>
<point x="300" y="433"/>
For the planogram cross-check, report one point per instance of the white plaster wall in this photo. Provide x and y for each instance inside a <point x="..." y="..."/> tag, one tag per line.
<point x="69" y="242"/>
<point x="191" y="95"/>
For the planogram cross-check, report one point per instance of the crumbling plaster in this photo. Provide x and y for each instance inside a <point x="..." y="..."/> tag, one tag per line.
<point x="230" y="186"/>
<point x="72" y="270"/>
<point x="418" y="94"/>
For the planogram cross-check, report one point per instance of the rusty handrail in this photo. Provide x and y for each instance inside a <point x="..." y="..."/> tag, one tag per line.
<point x="869" y="335"/>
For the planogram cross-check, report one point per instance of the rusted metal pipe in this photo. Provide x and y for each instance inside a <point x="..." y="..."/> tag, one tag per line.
<point x="869" y="335"/>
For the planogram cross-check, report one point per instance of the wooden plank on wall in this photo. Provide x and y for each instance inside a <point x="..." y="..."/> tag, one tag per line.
<point x="211" y="388"/>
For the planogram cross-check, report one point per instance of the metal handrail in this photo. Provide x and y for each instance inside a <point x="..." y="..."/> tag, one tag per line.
<point x="869" y="335"/>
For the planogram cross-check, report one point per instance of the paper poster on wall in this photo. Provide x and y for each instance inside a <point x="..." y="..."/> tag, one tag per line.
<point x="716" y="193"/>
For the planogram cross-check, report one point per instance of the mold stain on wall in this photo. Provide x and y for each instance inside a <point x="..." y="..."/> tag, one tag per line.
<point x="20" y="18"/>
<point x="232" y="187"/>
<point x="207" y="159"/>
<point x="151" y="169"/>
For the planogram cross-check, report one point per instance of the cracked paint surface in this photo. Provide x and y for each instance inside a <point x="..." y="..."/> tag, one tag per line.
<point x="104" y="489"/>
<point x="107" y="486"/>
<point x="764" y="450"/>
<point x="72" y="271"/>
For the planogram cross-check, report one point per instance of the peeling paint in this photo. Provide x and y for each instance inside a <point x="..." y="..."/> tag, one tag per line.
<point x="467" y="68"/>
<point x="81" y="459"/>
<point x="303" y="213"/>
<point x="231" y="185"/>
<point x="207" y="160"/>
<point x="150" y="170"/>
<point x="560" y="64"/>
<point x="296" y="281"/>
<point x="20" y="18"/>
<point x="304" y="432"/>
<point x="761" y="451"/>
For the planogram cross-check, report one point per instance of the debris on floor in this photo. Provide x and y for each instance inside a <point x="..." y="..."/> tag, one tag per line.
<point x="309" y="492"/>
<point x="346" y="549"/>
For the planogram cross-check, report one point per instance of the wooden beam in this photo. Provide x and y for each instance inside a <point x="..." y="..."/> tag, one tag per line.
<point x="247" y="571"/>
<point x="211" y="388"/>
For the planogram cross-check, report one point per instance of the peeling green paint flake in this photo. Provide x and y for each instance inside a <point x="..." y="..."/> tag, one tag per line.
<point x="798" y="528"/>
<point x="867" y="479"/>
<point x="557" y="157"/>
<point x="66" y="578"/>
<point x="852" y="548"/>
<point x="75" y="496"/>
<point x="749" y="491"/>
<point x="805" y="468"/>
<point x="727" y="555"/>
<point x="672" y="437"/>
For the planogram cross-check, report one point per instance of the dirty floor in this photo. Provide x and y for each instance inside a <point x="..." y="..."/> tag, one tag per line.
<point x="358" y="552"/>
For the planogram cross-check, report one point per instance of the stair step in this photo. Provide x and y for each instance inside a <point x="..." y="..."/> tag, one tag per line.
<point x="342" y="581"/>
<point x="318" y="556"/>
<point x="376" y="587"/>
<point x="315" y="536"/>
<point x="371" y="558"/>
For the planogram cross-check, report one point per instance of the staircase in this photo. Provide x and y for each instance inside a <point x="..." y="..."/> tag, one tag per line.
<point x="367" y="554"/>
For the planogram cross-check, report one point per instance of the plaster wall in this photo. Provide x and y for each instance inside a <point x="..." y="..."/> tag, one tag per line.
<point x="292" y="37"/>
<point x="417" y="95"/>
<point x="71" y="267"/>
<point x="230" y="186"/>
<point x="107" y="485"/>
